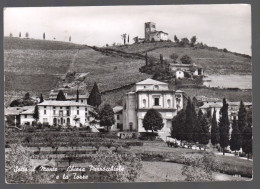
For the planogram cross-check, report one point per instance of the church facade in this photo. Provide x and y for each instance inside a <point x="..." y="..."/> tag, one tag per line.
<point x="150" y="94"/>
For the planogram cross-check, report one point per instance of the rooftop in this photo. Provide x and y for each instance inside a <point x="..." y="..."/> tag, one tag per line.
<point x="61" y="103"/>
<point x="17" y="110"/>
<point x="117" y="109"/>
<point x="151" y="82"/>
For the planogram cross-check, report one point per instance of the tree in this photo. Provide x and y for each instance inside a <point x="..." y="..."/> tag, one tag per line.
<point x="174" y="57"/>
<point x="11" y="35"/>
<point x="224" y="126"/>
<point x="235" y="141"/>
<point x="161" y="58"/>
<point x="178" y="123"/>
<point x="146" y="59"/>
<point x="214" y="130"/>
<point x="193" y="41"/>
<point x="123" y="36"/>
<point x="204" y="135"/>
<point x="242" y="120"/>
<point x="27" y="35"/>
<point x="152" y="120"/>
<point x="247" y="140"/>
<point x="128" y="39"/>
<point x="36" y="113"/>
<point x="107" y="118"/>
<point x="44" y="36"/>
<point x="188" y="127"/>
<point x="61" y="96"/>
<point x="20" y="34"/>
<point x="41" y="98"/>
<point x="185" y="59"/>
<point x="70" y="39"/>
<point x="195" y="122"/>
<point x="77" y="99"/>
<point x="95" y="96"/>
<point x="197" y="127"/>
<point x="184" y="42"/>
<point x="176" y="39"/>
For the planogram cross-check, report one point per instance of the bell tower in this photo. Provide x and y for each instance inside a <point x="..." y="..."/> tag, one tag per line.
<point x="148" y="28"/>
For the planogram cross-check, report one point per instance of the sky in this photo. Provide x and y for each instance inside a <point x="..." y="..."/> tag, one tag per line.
<point x="222" y="26"/>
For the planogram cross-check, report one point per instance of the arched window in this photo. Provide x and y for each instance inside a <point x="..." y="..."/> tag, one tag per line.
<point x="169" y="103"/>
<point x="144" y="103"/>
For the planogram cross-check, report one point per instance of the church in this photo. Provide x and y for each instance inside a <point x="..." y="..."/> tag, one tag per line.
<point x="149" y="94"/>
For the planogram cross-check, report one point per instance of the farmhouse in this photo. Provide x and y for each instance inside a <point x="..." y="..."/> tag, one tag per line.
<point x="191" y="69"/>
<point x="64" y="113"/>
<point x="149" y="94"/>
<point x="19" y="115"/>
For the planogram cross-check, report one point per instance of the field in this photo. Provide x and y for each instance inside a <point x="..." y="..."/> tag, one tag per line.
<point x="160" y="162"/>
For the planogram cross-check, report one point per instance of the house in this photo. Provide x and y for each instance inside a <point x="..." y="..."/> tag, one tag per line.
<point x="149" y="94"/>
<point x="26" y="117"/>
<point x="233" y="108"/>
<point x="201" y="100"/>
<point x="14" y="115"/>
<point x="152" y="35"/>
<point x="191" y="69"/>
<point x="70" y="97"/>
<point x="64" y="113"/>
<point x="118" y="114"/>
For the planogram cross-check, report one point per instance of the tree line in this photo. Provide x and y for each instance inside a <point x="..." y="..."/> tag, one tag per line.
<point x="190" y="127"/>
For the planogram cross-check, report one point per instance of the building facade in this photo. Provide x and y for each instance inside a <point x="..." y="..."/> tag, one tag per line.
<point x="150" y="94"/>
<point x="118" y="114"/>
<point x="151" y="34"/>
<point x="64" y="113"/>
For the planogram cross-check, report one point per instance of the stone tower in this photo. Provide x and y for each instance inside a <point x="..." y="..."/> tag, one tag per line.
<point x="149" y="27"/>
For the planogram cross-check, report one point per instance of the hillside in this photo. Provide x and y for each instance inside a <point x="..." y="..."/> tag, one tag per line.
<point x="38" y="66"/>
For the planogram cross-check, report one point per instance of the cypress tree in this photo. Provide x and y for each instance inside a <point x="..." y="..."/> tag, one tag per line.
<point x="178" y="123"/>
<point x="188" y="127"/>
<point x="41" y="98"/>
<point x="95" y="96"/>
<point x="36" y="113"/>
<point x="204" y="135"/>
<point x="214" y="130"/>
<point x="242" y="117"/>
<point x="235" y="141"/>
<point x="43" y="36"/>
<point x="61" y="96"/>
<point x="224" y="126"/>
<point x="196" y="123"/>
<point x="247" y="140"/>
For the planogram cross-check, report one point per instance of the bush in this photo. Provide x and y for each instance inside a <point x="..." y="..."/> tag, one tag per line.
<point x="199" y="167"/>
<point x="128" y="166"/>
<point x="148" y="136"/>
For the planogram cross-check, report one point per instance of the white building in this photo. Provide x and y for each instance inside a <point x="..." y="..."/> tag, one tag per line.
<point x="179" y="74"/>
<point x="64" y="113"/>
<point x="151" y="34"/>
<point x="118" y="114"/>
<point x="150" y="94"/>
<point x="27" y="116"/>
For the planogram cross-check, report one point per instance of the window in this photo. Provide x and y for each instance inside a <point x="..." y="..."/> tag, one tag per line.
<point x="156" y="87"/>
<point x="81" y="100"/>
<point x="44" y="106"/>
<point x="45" y="120"/>
<point x="45" y="112"/>
<point x="118" y="125"/>
<point x="77" y="112"/>
<point x="117" y="117"/>
<point x="77" y="107"/>
<point x="169" y="103"/>
<point x="144" y="103"/>
<point x="68" y="113"/>
<point x="156" y="101"/>
<point x="25" y="116"/>
<point x="60" y="107"/>
<point x="61" y="113"/>
<point x="54" y="112"/>
<point x="86" y="109"/>
<point x="54" y="107"/>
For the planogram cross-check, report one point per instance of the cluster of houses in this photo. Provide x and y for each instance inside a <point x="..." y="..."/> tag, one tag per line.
<point x="144" y="95"/>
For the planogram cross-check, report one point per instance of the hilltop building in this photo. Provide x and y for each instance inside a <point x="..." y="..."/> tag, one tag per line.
<point x="151" y="34"/>
<point x="149" y="94"/>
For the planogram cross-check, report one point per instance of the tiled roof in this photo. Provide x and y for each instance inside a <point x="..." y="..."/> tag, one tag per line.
<point x="117" y="109"/>
<point x="29" y="111"/>
<point x="61" y="103"/>
<point x="151" y="82"/>
<point x="17" y="110"/>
